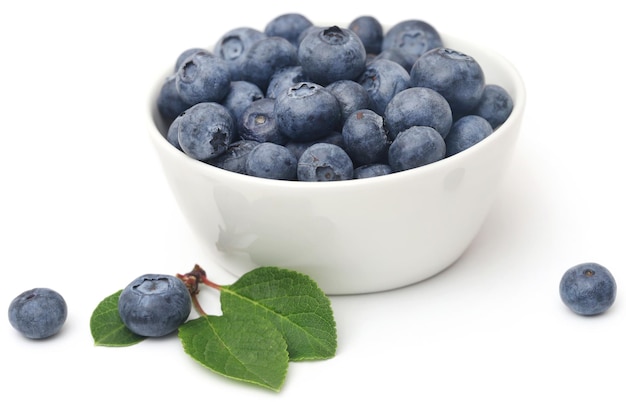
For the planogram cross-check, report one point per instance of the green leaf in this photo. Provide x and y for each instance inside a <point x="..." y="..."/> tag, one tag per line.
<point x="241" y="347"/>
<point x="107" y="328"/>
<point x="293" y="302"/>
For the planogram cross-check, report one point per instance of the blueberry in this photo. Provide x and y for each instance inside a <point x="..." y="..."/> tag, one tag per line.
<point x="307" y="111"/>
<point x="414" y="147"/>
<point x="169" y="102"/>
<point x="298" y="147"/>
<point x="265" y="57"/>
<point x="205" y="130"/>
<point x="172" y="134"/>
<point x="495" y="105"/>
<point x="351" y="95"/>
<point x="588" y="289"/>
<point x="325" y="162"/>
<point x="185" y="54"/>
<point x="203" y="78"/>
<point x="418" y="106"/>
<point x="365" y="137"/>
<point x="332" y="54"/>
<point x="240" y="96"/>
<point x="283" y="79"/>
<point x="455" y="75"/>
<point x="412" y="38"/>
<point x="235" y="156"/>
<point x="396" y="55"/>
<point x="288" y="26"/>
<point x="233" y="46"/>
<point x="271" y="161"/>
<point x="383" y="79"/>
<point x="258" y="123"/>
<point x="370" y="31"/>
<point x="373" y="170"/>
<point x="466" y="132"/>
<point x="154" y="305"/>
<point x="38" y="313"/>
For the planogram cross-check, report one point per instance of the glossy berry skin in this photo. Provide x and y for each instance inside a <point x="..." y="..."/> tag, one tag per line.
<point x="307" y="111"/>
<point x="466" y="132"/>
<point x="495" y="105"/>
<point x="202" y="77"/>
<point x="283" y="79"/>
<point x="205" y="130"/>
<point x="414" y="147"/>
<point x="455" y="75"/>
<point x="332" y="54"/>
<point x="588" y="289"/>
<point x="325" y="162"/>
<point x="154" y="305"/>
<point x="288" y="26"/>
<point x="418" y="106"/>
<point x="370" y="31"/>
<point x="271" y="161"/>
<point x="38" y="313"/>
<point x="365" y="138"/>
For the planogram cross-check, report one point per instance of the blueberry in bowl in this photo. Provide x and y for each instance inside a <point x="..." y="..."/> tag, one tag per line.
<point x="358" y="216"/>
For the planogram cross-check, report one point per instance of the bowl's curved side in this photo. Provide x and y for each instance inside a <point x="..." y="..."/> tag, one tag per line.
<point x="357" y="236"/>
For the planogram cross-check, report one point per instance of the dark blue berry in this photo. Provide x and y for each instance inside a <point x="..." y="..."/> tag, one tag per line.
<point x="233" y="46"/>
<point x="414" y="147"/>
<point x="169" y="102"/>
<point x="271" y="161"/>
<point x="235" y="156"/>
<point x="283" y="79"/>
<point x="588" y="289"/>
<point x="466" y="132"/>
<point x="383" y="79"/>
<point x="412" y="38"/>
<point x="495" y="105"/>
<point x="265" y="57"/>
<point x="325" y="162"/>
<point x="332" y="54"/>
<point x="154" y="305"/>
<point x="288" y="26"/>
<point x="370" y="31"/>
<point x="373" y="170"/>
<point x="240" y="96"/>
<point x="205" y="130"/>
<point x="351" y="95"/>
<point x="38" y="313"/>
<point x="455" y="75"/>
<point x="258" y="123"/>
<point x="365" y="137"/>
<point x="203" y="78"/>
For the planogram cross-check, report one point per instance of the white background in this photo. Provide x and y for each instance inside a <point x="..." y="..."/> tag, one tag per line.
<point x="84" y="209"/>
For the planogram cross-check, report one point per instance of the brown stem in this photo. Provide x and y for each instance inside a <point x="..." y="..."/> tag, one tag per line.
<point x="192" y="280"/>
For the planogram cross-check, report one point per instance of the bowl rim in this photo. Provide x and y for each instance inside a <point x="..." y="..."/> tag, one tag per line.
<point x="519" y="103"/>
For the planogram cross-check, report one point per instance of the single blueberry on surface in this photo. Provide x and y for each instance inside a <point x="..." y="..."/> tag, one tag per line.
<point x="414" y="147"/>
<point x="271" y="161"/>
<point x="466" y="132"/>
<point x="455" y="75"/>
<point x="325" y="162"/>
<point x="588" y="289"/>
<point x="38" y="313"/>
<point x="495" y="105"/>
<point x="205" y="130"/>
<point x="154" y="305"/>
<point x="332" y="54"/>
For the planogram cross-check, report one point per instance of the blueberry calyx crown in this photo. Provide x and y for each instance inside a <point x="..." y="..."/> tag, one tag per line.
<point x="334" y="35"/>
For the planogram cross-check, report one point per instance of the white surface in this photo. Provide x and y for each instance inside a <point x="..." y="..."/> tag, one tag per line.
<point x="84" y="209"/>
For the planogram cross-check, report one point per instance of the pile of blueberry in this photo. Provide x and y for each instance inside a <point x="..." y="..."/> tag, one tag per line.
<point x="298" y="101"/>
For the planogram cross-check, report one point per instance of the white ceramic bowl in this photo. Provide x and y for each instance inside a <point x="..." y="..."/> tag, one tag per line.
<point x="355" y="236"/>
